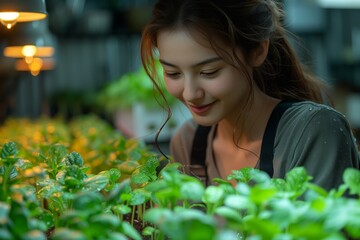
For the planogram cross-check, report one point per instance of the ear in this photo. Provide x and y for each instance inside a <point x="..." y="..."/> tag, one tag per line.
<point x="260" y="53"/>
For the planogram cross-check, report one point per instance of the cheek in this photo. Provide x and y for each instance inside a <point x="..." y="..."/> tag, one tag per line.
<point x="175" y="88"/>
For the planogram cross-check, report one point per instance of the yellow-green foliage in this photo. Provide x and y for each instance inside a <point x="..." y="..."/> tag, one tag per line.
<point x="94" y="139"/>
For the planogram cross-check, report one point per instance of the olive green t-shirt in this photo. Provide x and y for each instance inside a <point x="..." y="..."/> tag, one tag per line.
<point x="309" y="134"/>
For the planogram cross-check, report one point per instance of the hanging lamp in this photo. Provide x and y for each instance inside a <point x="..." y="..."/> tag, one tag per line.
<point x="29" y="40"/>
<point x="36" y="66"/>
<point x="13" y="11"/>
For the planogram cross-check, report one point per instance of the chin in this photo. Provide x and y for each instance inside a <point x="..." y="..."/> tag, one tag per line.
<point x="204" y="121"/>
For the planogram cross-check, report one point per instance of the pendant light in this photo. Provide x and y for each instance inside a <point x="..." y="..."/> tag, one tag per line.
<point x="36" y="66"/>
<point x="29" y="40"/>
<point x="13" y="11"/>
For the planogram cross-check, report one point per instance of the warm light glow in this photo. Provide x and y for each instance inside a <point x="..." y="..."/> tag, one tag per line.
<point x="18" y="51"/>
<point x="35" y="66"/>
<point x="29" y="52"/>
<point x="9" y="19"/>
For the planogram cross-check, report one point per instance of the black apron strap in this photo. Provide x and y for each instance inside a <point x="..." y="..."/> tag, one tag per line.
<point x="197" y="166"/>
<point x="267" y="146"/>
<point x="198" y="151"/>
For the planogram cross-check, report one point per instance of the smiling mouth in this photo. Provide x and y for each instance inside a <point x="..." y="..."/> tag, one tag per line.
<point x="200" y="109"/>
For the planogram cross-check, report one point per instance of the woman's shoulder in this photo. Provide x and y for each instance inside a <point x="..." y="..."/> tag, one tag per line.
<point x="306" y="119"/>
<point x="306" y="111"/>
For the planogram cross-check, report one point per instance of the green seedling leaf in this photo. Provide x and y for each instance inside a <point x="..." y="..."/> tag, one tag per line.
<point x="5" y="234"/>
<point x="73" y="158"/>
<point x="243" y="189"/>
<point x="146" y="173"/>
<point x="128" y="167"/>
<point x="115" y="174"/>
<point x="213" y="195"/>
<point x="72" y="183"/>
<point x="74" y="219"/>
<point x="116" y="236"/>
<point x="156" y="186"/>
<point x="63" y="233"/>
<point x="352" y="180"/>
<point x="9" y="149"/>
<point x="151" y="164"/>
<point x="138" y="197"/>
<point x="130" y="231"/>
<point x="229" y="234"/>
<point x="34" y="235"/>
<point x="10" y="161"/>
<point x="4" y="212"/>
<point x="249" y="175"/>
<point x="91" y="202"/>
<point x="229" y="213"/>
<point x="296" y="180"/>
<point x="9" y="172"/>
<point x="96" y="182"/>
<point x="148" y="231"/>
<point x="48" y="218"/>
<point x="19" y="215"/>
<point x="134" y="155"/>
<point x="121" y="209"/>
<point x="192" y="191"/>
<point x="140" y="179"/>
<point x="310" y="230"/>
<point x="239" y="203"/>
<point x="262" y="227"/>
<point x="317" y="190"/>
<point x="157" y="216"/>
<point x="49" y="188"/>
<point x="282" y="212"/>
<point x="104" y="221"/>
<point x="190" y="224"/>
<point x="119" y="188"/>
<point x="260" y="194"/>
<point x="53" y="154"/>
<point x="74" y="171"/>
<point x="344" y="215"/>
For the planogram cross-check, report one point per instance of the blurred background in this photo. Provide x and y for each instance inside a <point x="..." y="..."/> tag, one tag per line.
<point x="94" y="63"/>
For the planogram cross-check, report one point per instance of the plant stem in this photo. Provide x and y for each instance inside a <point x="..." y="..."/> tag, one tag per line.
<point x="133" y="215"/>
<point x="5" y="181"/>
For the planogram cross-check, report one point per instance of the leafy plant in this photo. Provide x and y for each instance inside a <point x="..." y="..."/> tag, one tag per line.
<point x="260" y="208"/>
<point x="50" y="191"/>
<point x="133" y="87"/>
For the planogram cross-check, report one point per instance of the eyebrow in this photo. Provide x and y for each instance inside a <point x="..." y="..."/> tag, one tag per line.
<point x="206" y="61"/>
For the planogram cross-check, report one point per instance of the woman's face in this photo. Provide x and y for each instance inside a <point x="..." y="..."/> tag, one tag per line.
<point x="212" y="89"/>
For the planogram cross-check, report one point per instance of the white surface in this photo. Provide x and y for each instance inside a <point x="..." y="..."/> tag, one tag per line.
<point x="143" y="124"/>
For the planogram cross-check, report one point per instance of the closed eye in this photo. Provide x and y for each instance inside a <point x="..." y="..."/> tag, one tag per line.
<point x="209" y="74"/>
<point x="172" y="75"/>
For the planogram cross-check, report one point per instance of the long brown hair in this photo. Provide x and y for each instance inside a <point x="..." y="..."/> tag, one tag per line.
<point x="238" y="24"/>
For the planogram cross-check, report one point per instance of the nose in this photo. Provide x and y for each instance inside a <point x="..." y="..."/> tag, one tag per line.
<point x="192" y="89"/>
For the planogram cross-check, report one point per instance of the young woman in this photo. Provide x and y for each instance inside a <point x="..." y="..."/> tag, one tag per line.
<point x="231" y="64"/>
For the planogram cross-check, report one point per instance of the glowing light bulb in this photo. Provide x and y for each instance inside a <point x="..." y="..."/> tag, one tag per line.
<point x="9" y="19"/>
<point x="35" y="66"/>
<point x="28" y="51"/>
